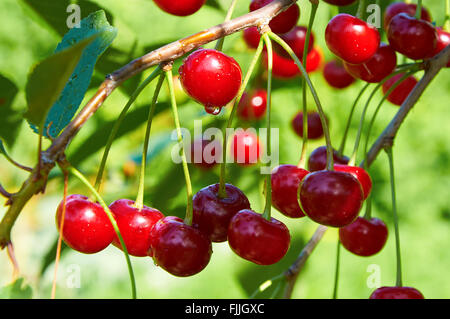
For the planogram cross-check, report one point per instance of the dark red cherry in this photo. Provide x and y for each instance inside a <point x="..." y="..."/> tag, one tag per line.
<point x="318" y="159"/>
<point x="134" y="225"/>
<point x="285" y="181"/>
<point x="245" y="147"/>
<point x="180" y="249"/>
<point x="340" y="2"/>
<point x="364" y="237"/>
<point x="331" y="198"/>
<point x="257" y="239"/>
<point x="401" y="7"/>
<point x="296" y="40"/>
<point x="376" y="68"/>
<point x="314" y="59"/>
<point x="283" y="22"/>
<point x="86" y="228"/>
<point x="443" y="42"/>
<point x="396" y="293"/>
<point x="282" y="68"/>
<point x="180" y="8"/>
<point x="361" y="175"/>
<point x="401" y="92"/>
<point x="315" y="129"/>
<point x="416" y="39"/>
<point x="351" y="39"/>
<point x="211" y="78"/>
<point x="336" y="75"/>
<point x="212" y="214"/>
<point x="251" y="37"/>
<point x="252" y="105"/>
<point x="205" y="154"/>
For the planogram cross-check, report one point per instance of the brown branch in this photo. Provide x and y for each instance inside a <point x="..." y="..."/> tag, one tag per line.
<point x="432" y="68"/>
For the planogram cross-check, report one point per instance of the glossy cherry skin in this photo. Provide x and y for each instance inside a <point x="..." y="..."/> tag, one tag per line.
<point x="361" y="175"/>
<point x="296" y="39"/>
<point x="396" y="293"/>
<point x="443" y="42"/>
<point x="86" y="228"/>
<point x="205" y="154"/>
<point x="285" y="181"/>
<point x="315" y="129"/>
<point x="364" y="237"/>
<point x="416" y="39"/>
<point x="252" y="105"/>
<point x="340" y="2"/>
<point x="336" y="75"/>
<point x="211" y="78"/>
<point x="318" y="159"/>
<point x="180" y="8"/>
<point x="376" y="68"/>
<point x="351" y="39"/>
<point x="331" y="198"/>
<point x="401" y="92"/>
<point x="251" y="37"/>
<point x="134" y="225"/>
<point x="256" y="239"/>
<point x="401" y="7"/>
<point x="180" y="249"/>
<point x="283" y="22"/>
<point x="246" y="148"/>
<point x="212" y="214"/>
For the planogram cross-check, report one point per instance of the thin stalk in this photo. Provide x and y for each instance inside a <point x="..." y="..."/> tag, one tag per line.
<point x="368" y="212"/>
<point x="108" y="212"/>
<point x="265" y="285"/>
<point x="361" y="9"/>
<point x="9" y="159"/>
<point x="419" y="9"/>
<point x="119" y="121"/>
<point x="447" y="16"/>
<point x="12" y="258"/>
<point x="187" y="177"/>
<point x="140" y="196"/>
<point x="230" y="11"/>
<point x="336" y="274"/>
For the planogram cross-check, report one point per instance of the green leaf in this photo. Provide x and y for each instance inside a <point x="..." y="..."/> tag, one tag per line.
<point x="16" y="290"/>
<point x="10" y="120"/>
<point x="214" y="4"/>
<point x="48" y="79"/>
<point x="49" y="257"/>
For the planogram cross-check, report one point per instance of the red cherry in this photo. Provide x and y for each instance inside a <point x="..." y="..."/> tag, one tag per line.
<point x="351" y="39"/>
<point x="443" y="42"/>
<point x="315" y="129"/>
<point x="285" y="180"/>
<point x="134" y="225"/>
<point x="211" y="78"/>
<point x="376" y="68"/>
<point x="252" y="105"/>
<point x="401" y="92"/>
<point x="364" y="237"/>
<point x="180" y="8"/>
<point x="245" y="148"/>
<point x="336" y="75"/>
<point x="361" y="175"/>
<point x="205" y="154"/>
<point x="86" y="228"/>
<point x="256" y="239"/>
<point x="401" y="7"/>
<point x="331" y="198"/>
<point x="416" y="39"/>
<point x="314" y="59"/>
<point x="251" y="37"/>
<point x="283" y="22"/>
<point x="318" y="159"/>
<point x="296" y="40"/>
<point x="212" y="214"/>
<point x="282" y="68"/>
<point x="396" y="293"/>
<point x="340" y="2"/>
<point x="180" y="249"/>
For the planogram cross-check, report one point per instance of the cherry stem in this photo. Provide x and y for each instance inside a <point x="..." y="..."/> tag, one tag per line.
<point x="108" y="212"/>
<point x="419" y="9"/>
<point x="388" y="150"/>
<point x="301" y="163"/>
<point x="9" y="159"/>
<point x="119" y="121"/>
<point x="288" y="49"/>
<point x="349" y="120"/>
<point x="222" y="191"/>
<point x="219" y="44"/>
<point x="266" y="284"/>
<point x="139" y="204"/>
<point x="268" y="42"/>
<point x="447" y="16"/>
<point x="361" y="9"/>
<point x="336" y="274"/>
<point x="189" y="209"/>
<point x="368" y="212"/>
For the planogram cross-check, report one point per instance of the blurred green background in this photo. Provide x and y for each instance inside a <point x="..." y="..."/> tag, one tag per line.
<point x="422" y="154"/>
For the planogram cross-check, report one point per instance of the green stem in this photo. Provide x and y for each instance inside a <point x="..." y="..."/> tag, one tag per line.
<point x="368" y="212"/>
<point x="447" y="16"/>
<point x="222" y="191"/>
<point x="419" y="9"/>
<point x="361" y="9"/>
<point x="288" y="49"/>
<point x="140" y="196"/>
<point x="118" y="122"/>
<point x="189" y="209"/>
<point x="388" y="150"/>
<point x="219" y="44"/>
<point x="108" y="212"/>
<point x="336" y="274"/>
